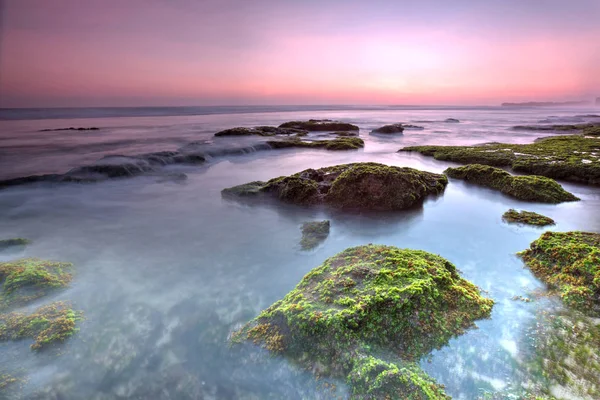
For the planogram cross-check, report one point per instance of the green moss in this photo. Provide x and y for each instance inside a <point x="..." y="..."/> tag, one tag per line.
<point x="7" y="380"/>
<point x="366" y="301"/>
<point x="526" y="217"/>
<point x="575" y="127"/>
<point x="320" y="125"/>
<point x="339" y="143"/>
<point x="246" y="190"/>
<point x="47" y="325"/>
<point x="592" y="131"/>
<point x="569" y="262"/>
<point x="528" y="188"/>
<point x="563" y="351"/>
<point x="27" y="279"/>
<point x="314" y="233"/>
<point x="359" y="186"/>
<point x="16" y="242"/>
<point x="261" y="131"/>
<point x="572" y="158"/>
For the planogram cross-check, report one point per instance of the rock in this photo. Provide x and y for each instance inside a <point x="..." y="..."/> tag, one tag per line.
<point x="452" y="120"/>
<point x="526" y="217"/>
<point x="367" y="301"/>
<point x="527" y="187"/>
<point x="262" y="131"/>
<point x="345" y="133"/>
<point x="559" y="157"/>
<point x="47" y="325"/>
<point x="569" y="262"/>
<point x="393" y="128"/>
<point x="359" y="186"/>
<point x="28" y="279"/>
<point x="576" y="127"/>
<point x="340" y="143"/>
<point x="320" y="125"/>
<point x="313" y="234"/>
<point x="591" y="131"/>
<point x="409" y="126"/>
<point x="16" y="242"/>
<point x="71" y="129"/>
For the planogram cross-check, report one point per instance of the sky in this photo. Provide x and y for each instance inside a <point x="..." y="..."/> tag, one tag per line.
<point x="67" y="53"/>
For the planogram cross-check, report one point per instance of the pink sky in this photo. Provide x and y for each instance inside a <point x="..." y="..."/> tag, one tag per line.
<point x="58" y="53"/>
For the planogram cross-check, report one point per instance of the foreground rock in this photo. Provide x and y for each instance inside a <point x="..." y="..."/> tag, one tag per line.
<point x="364" y="302"/>
<point x="28" y="279"/>
<point x="527" y="187"/>
<point x="11" y="243"/>
<point x="47" y="325"/>
<point x="313" y="125"/>
<point x="527" y="218"/>
<point x="572" y="158"/>
<point x="569" y="262"/>
<point x="339" y="143"/>
<point x="359" y="186"/>
<point x="313" y="234"/>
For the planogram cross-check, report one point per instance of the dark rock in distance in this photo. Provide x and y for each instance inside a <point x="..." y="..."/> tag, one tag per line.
<point x="320" y="125"/>
<point x="15" y="242"/>
<point x="393" y="128"/>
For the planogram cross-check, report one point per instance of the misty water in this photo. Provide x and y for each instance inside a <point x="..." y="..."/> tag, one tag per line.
<point x="166" y="270"/>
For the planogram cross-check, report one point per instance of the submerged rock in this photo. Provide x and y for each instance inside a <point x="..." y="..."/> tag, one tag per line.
<point x="527" y="187"/>
<point x="313" y="234"/>
<point x="47" y="325"/>
<point x="366" y="302"/>
<point x="16" y="242"/>
<point x="569" y="262"/>
<point x="572" y="158"/>
<point x="320" y="125"/>
<point x="393" y="128"/>
<point x="28" y="279"/>
<point x="526" y="217"/>
<point x="340" y="143"/>
<point x="452" y="120"/>
<point x="359" y="186"/>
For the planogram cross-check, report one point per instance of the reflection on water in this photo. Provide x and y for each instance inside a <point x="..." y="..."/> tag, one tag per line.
<point x="166" y="271"/>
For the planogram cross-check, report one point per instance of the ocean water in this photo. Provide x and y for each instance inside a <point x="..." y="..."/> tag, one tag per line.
<point x="166" y="270"/>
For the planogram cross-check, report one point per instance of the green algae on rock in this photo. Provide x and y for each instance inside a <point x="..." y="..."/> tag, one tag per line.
<point x="575" y="127"/>
<point x="28" y="279"/>
<point x="569" y="262"/>
<point x="320" y="125"/>
<point x="47" y="325"/>
<point x="339" y="143"/>
<point x="314" y="233"/>
<point x="389" y="129"/>
<point x="358" y="186"/>
<point x="365" y="302"/>
<point x="15" y="242"/>
<point x="526" y="217"/>
<point x="528" y="188"/>
<point x="572" y="158"/>
<point x="261" y="131"/>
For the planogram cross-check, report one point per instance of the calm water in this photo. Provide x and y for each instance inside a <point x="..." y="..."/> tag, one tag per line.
<point x="165" y="270"/>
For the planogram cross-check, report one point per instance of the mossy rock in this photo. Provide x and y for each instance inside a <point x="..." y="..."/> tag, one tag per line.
<point x="568" y="127"/>
<point x="370" y="300"/>
<point x="526" y="217"/>
<point x="47" y="325"/>
<point x="572" y="158"/>
<point x="527" y="188"/>
<point x="339" y="143"/>
<point x="569" y="262"/>
<point x="313" y="234"/>
<point x="261" y="131"/>
<point x="320" y="125"/>
<point x="11" y="243"/>
<point x="592" y="131"/>
<point x="28" y="279"/>
<point x="389" y="129"/>
<point x="359" y="186"/>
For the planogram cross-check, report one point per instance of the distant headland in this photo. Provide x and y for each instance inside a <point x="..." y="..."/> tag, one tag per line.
<point x="550" y="103"/>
